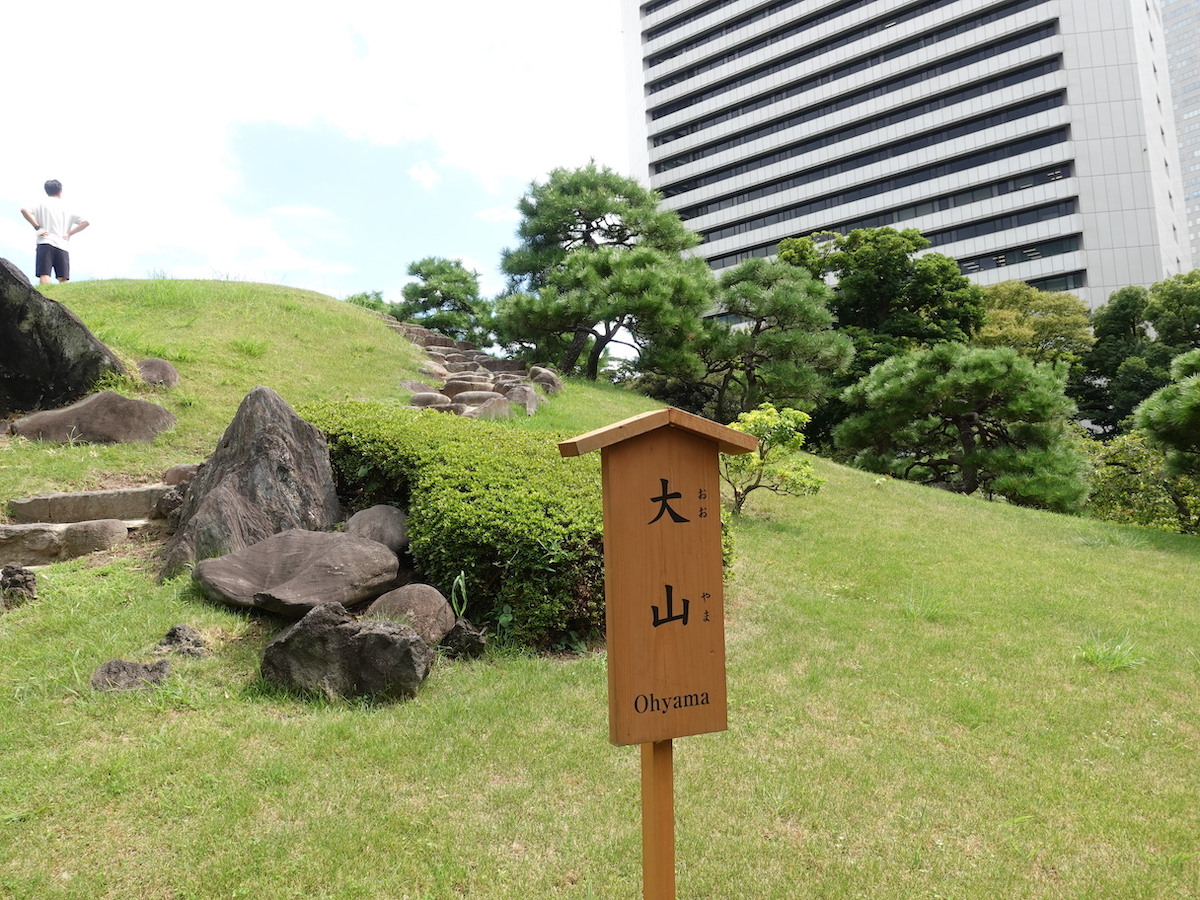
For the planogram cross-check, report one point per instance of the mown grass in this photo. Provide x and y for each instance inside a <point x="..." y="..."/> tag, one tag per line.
<point x="910" y="716"/>
<point x="225" y="338"/>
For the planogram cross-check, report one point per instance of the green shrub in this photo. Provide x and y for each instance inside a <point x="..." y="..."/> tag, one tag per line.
<point x="499" y="505"/>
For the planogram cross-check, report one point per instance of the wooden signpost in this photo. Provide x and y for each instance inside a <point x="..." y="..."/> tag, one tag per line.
<point x="665" y="600"/>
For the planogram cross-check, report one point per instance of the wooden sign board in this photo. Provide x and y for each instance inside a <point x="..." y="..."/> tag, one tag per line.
<point x="663" y="573"/>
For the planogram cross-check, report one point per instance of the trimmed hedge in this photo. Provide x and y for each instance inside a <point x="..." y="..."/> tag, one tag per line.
<point x="524" y="525"/>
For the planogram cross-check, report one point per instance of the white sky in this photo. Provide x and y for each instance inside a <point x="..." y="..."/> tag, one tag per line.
<point x="321" y="145"/>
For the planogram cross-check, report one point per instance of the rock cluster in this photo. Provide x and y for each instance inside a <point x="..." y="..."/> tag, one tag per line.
<point x="473" y="383"/>
<point x="269" y="473"/>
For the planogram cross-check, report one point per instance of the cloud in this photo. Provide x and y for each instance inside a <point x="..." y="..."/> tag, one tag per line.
<point x="146" y="108"/>
<point x="424" y="175"/>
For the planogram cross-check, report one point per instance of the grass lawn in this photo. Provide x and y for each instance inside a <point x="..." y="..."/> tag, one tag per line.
<point x="930" y="696"/>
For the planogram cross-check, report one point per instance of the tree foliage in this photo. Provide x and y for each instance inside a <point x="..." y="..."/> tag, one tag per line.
<point x="775" y="465"/>
<point x="1045" y="326"/>
<point x="1171" y="416"/>
<point x="776" y="340"/>
<point x="968" y="419"/>
<point x="586" y="209"/>
<point x="445" y="298"/>
<point x="774" y="343"/>
<point x="886" y="298"/>
<point x="641" y="297"/>
<point x="1132" y="484"/>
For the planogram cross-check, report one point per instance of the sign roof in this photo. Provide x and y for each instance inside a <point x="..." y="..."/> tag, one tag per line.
<point x="727" y="439"/>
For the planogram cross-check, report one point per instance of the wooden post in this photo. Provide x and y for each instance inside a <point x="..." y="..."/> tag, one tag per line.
<point x="658" y="821"/>
<point x="664" y="599"/>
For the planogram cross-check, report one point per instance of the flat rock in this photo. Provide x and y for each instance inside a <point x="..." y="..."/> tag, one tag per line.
<point x="103" y="418"/>
<point x="426" y="400"/>
<point x="40" y="544"/>
<point x="78" y="506"/>
<point x="295" y="571"/>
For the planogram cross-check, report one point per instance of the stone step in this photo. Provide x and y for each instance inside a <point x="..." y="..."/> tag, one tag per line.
<point x="41" y="543"/>
<point x="85" y="506"/>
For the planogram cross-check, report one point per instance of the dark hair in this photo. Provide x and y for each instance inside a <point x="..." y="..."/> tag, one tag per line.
<point x="53" y="187"/>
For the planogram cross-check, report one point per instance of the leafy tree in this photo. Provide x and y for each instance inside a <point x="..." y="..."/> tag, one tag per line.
<point x="1131" y="484"/>
<point x="1171" y="416"/>
<point x="775" y="465"/>
<point x="586" y="209"/>
<point x="968" y="419"/>
<point x="887" y="299"/>
<point x="775" y="341"/>
<point x="1045" y="326"/>
<point x="445" y="298"/>
<point x="1126" y="364"/>
<point x="641" y="297"/>
<point x="1173" y="311"/>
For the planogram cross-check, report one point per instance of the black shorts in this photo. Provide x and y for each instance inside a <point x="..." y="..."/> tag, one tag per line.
<point x="50" y="257"/>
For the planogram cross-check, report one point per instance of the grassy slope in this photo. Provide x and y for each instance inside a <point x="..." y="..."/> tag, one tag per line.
<point x="908" y="717"/>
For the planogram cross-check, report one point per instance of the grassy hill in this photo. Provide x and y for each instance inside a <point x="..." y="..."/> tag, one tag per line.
<point x="911" y="710"/>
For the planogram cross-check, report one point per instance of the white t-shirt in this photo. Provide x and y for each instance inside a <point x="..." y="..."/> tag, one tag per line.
<point x="55" y="218"/>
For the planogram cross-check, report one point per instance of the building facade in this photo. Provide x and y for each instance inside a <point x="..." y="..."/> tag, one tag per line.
<point x="1027" y="139"/>
<point x="1181" y="20"/>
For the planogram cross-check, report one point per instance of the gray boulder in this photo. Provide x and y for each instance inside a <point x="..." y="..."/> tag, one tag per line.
<point x="104" y="418"/>
<point x="385" y="524"/>
<point x="495" y="408"/>
<point x="427" y="399"/>
<point x="330" y="652"/>
<point x="48" y="357"/>
<point x="294" y="571"/>
<point x="549" y="381"/>
<point x="420" y="605"/>
<point x="525" y="397"/>
<point x="158" y="372"/>
<point x="269" y="473"/>
<point x="183" y="473"/>
<point x="123" y="675"/>
<point x="477" y="397"/>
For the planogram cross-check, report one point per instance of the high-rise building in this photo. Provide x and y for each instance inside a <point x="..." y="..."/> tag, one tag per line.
<point x="1181" y="20"/>
<point x="1027" y="139"/>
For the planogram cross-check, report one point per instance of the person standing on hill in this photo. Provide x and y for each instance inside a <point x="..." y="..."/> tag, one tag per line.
<point x="55" y="224"/>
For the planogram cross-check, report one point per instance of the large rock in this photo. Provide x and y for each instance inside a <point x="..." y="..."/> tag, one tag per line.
<point x="269" y="473"/>
<point x="294" y="571"/>
<point x="330" y="652"/>
<point x="386" y="524"/>
<point x="158" y="372"/>
<point x="420" y="605"/>
<point x="48" y="358"/>
<point x="104" y="418"/>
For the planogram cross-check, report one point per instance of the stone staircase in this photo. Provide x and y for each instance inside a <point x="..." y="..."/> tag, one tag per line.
<point x="51" y="528"/>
